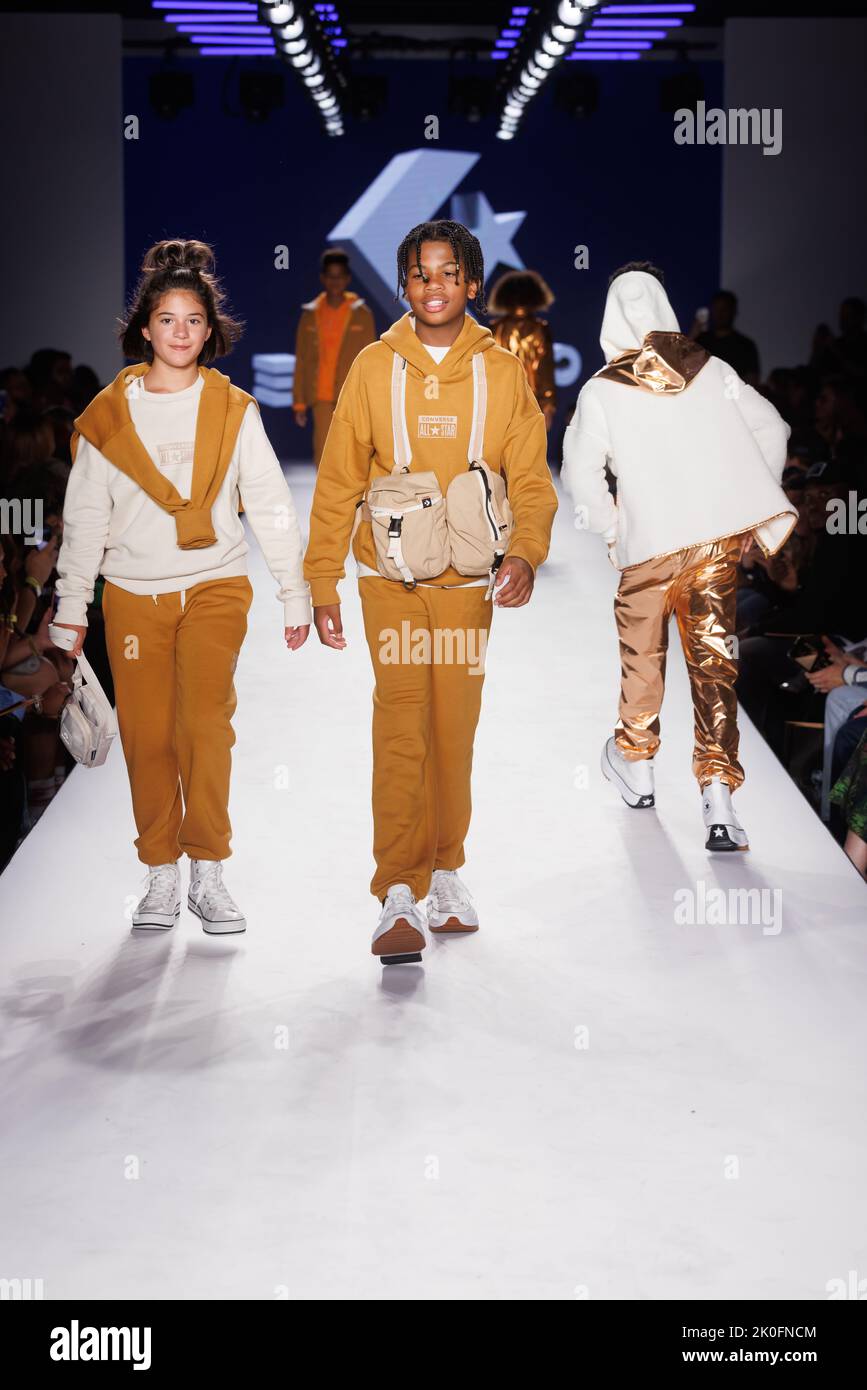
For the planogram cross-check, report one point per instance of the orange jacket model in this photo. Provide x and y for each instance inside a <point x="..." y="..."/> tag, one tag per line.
<point x="359" y="332"/>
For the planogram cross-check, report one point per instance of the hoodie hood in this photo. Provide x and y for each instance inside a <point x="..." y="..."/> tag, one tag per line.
<point x="636" y="305"/>
<point x="457" y="364"/>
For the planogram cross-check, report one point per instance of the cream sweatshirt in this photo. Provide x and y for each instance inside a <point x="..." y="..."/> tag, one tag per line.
<point x="111" y="527"/>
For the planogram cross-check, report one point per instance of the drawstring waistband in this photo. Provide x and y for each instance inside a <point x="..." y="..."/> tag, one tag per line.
<point x="183" y="599"/>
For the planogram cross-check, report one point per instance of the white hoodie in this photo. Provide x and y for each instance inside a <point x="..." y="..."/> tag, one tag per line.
<point x="692" y="466"/>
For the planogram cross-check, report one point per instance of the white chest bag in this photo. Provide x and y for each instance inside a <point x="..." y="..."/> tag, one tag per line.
<point x="418" y="532"/>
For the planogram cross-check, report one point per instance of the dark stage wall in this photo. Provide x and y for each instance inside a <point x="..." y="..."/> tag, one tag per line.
<point x="615" y="182"/>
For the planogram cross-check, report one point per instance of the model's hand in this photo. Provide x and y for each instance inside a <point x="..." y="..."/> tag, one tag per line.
<point x="296" y="636"/>
<point x="326" y="619"/>
<point x="747" y="542"/>
<point x="520" y="583"/>
<point x="301" y="416"/>
<point x="79" y="638"/>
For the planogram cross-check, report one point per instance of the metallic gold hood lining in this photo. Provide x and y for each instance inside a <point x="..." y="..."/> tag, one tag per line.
<point x="666" y="363"/>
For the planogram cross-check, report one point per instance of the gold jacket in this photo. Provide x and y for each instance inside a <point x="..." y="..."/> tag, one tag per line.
<point x="529" y="339"/>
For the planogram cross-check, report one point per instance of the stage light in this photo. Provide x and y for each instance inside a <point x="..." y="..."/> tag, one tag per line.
<point x="649" y="9"/>
<point x="571" y="14"/>
<point x="613" y="43"/>
<point x="236" y="52"/>
<point x="563" y="33"/>
<point x="604" y="23"/>
<point x="170" y="92"/>
<point x="260" y="93"/>
<point x="577" y="96"/>
<point x="291" y="31"/>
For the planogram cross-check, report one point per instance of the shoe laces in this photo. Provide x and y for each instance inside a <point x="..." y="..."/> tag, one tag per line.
<point x="162" y="882"/>
<point x="450" y="892"/>
<point x="210" y="881"/>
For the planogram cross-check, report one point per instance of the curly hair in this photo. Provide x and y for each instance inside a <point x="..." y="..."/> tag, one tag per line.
<point x="179" y="265"/>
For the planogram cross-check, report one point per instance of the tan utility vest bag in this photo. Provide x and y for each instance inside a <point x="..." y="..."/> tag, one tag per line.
<point x="418" y="532"/>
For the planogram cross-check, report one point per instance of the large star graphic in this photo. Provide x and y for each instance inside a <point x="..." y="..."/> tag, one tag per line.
<point x="495" y="230"/>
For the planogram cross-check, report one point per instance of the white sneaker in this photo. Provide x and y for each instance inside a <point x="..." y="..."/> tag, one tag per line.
<point x="400" y="935"/>
<point x="211" y="900"/>
<point x="449" y="905"/>
<point x="161" y="905"/>
<point x="724" y="830"/>
<point x="633" y="777"/>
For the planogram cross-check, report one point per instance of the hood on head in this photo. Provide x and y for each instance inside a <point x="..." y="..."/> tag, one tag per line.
<point x="636" y="305"/>
<point x="457" y="363"/>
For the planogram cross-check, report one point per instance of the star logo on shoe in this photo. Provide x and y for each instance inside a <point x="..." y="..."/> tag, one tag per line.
<point x="719" y="831"/>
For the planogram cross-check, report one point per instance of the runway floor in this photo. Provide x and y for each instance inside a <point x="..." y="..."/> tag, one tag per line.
<point x="590" y="1098"/>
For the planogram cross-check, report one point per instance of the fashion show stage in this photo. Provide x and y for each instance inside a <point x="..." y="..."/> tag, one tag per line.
<point x="634" y="1082"/>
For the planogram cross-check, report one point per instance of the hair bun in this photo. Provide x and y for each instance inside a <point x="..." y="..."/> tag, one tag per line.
<point x="179" y="255"/>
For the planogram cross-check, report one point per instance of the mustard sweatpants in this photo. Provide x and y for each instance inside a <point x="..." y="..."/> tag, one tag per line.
<point x="173" y="659"/>
<point x="425" y="646"/>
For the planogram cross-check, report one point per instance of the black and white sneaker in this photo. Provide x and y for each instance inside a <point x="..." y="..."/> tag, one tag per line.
<point x="633" y="777"/>
<point x="724" y="830"/>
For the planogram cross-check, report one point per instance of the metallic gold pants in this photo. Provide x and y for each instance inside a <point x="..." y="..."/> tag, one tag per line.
<point x="699" y="586"/>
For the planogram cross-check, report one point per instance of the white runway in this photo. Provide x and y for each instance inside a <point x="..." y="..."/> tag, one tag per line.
<point x="589" y="1098"/>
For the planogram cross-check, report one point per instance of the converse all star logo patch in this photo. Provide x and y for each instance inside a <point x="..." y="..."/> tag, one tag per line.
<point x="437" y="426"/>
<point x="175" y="455"/>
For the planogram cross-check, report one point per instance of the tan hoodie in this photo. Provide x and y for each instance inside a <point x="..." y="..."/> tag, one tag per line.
<point x="439" y="415"/>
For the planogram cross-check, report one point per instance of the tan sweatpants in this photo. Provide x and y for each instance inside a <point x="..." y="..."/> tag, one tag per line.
<point x="322" y="413"/>
<point x="173" y="659"/>
<point x="699" y="586"/>
<point x="425" y="714"/>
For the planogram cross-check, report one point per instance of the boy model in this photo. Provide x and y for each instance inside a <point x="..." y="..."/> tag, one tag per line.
<point x="698" y="456"/>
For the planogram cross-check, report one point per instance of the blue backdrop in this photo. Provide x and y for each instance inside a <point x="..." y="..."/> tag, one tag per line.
<point x="615" y="182"/>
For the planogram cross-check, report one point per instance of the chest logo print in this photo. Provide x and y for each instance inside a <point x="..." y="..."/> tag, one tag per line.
<point x="437" y="426"/>
<point x="175" y="455"/>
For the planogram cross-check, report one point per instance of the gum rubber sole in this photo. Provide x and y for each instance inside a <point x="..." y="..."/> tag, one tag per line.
<point x="453" y="926"/>
<point x="401" y="939"/>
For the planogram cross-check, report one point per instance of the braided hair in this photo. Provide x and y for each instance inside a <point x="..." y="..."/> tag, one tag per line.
<point x="467" y="252"/>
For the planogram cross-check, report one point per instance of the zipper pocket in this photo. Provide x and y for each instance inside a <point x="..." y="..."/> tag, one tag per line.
<point x="487" y="494"/>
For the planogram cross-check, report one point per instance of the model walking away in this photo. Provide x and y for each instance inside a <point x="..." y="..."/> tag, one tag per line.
<point x="698" y="456"/>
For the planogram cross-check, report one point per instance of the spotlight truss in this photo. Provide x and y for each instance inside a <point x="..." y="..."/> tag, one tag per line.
<point x="303" y="44"/>
<point x="541" y="49"/>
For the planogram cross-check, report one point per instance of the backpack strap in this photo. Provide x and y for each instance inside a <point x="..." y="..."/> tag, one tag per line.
<point x="400" y="433"/>
<point x="475" y="448"/>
